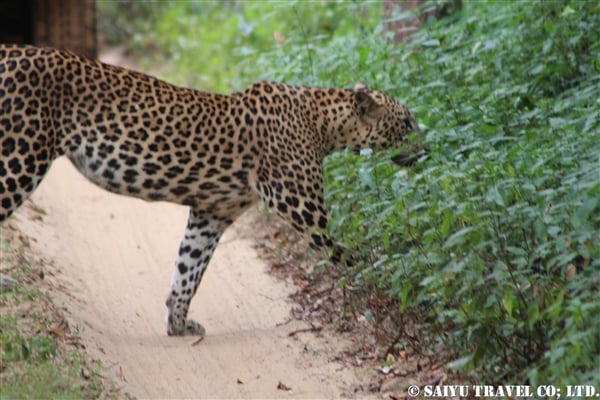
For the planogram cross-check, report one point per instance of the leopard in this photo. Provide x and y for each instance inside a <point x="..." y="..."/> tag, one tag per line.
<point x="218" y="154"/>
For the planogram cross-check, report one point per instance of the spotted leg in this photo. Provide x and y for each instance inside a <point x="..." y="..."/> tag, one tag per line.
<point x="198" y="244"/>
<point x="300" y="201"/>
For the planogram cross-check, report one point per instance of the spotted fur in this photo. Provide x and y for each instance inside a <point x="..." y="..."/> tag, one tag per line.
<point x="138" y="136"/>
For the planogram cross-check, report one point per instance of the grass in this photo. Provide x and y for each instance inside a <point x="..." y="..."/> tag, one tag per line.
<point x="39" y="357"/>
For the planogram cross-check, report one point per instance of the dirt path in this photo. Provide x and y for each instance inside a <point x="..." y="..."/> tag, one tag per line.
<point x="111" y="258"/>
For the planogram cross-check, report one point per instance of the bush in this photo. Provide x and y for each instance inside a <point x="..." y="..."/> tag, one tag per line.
<point x="215" y="45"/>
<point x="491" y="245"/>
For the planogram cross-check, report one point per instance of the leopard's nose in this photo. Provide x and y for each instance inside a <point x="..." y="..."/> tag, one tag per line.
<point x="412" y="125"/>
<point x="410" y="157"/>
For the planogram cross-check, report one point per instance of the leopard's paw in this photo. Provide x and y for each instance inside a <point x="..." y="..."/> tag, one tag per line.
<point x="193" y="328"/>
<point x="190" y="328"/>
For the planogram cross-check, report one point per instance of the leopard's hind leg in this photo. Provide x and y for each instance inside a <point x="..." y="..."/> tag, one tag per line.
<point x="23" y="164"/>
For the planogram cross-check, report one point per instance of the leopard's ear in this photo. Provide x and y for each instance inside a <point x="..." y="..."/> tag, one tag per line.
<point x="367" y="106"/>
<point x="361" y="87"/>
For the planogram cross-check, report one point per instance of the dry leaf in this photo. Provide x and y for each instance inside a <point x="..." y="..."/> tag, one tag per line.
<point x="384" y="370"/>
<point x="121" y="374"/>
<point x="571" y="272"/>
<point x="279" y="38"/>
<point x="195" y="342"/>
<point x="58" y="332"/>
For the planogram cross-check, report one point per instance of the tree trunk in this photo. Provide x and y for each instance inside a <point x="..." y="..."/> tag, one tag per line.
<point x="402" y="28"/>
<point x="405" y="27"/>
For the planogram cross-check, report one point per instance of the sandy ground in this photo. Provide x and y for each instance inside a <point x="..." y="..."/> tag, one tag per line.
<point x="110" y="260"/>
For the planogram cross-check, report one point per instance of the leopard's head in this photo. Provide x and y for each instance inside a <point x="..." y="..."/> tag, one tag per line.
<point x="384" y="123"/>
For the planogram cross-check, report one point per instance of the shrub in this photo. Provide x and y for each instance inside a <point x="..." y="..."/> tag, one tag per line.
<point x="215" y="45"/>
<point x="492" y="243"/>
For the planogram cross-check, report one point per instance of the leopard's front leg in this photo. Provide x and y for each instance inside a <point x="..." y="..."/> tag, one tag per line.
<point x="301" y="203"/>
<point x="195" y="251"/>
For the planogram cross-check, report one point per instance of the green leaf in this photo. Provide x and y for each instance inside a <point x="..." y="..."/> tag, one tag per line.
<point x="448" y="220"/>
<point x="567" y="11"/>
<point x="508" y="302"/>
<point x="495" y="196"/>
<point x="459" y="237"/>
<point x="583" y="212"/>
<point x="431" y="43"/>
<point x="461" y="363"/>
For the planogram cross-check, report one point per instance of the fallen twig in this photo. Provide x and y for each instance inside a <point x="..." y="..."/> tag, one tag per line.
<point x="311" y="329"/>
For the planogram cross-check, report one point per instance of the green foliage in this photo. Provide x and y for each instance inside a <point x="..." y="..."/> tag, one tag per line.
<point x="490" y="245"/>
<point x="15" y="347"/>
<point x="33" y="363"/>
<point x="31" y="367"/>
<point x="215" y="45"/>
<point x="47" y="379"/>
